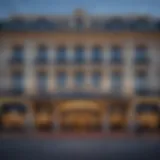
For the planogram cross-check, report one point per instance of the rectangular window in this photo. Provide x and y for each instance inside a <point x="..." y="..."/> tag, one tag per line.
<point x="116" y="82"/>
<point x="96" y="79"/>
<point x="79" y="79"/>
<point x="141" y="81"/>
<point x="17" y="82"/>
<point x="116" y="54"/>
<point x="17" y="54"/>
<point x="61" y="79"/>
<point x="61" y="55"/>
<point x="42" y="82"/>
<point x="97" y="54"/>
<point x="79" y="55"/>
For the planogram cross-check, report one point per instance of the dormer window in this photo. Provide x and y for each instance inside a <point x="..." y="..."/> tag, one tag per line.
<point x="79" y="24"/>
<point x="114" y="24"/>
<point x="140" y="24"/>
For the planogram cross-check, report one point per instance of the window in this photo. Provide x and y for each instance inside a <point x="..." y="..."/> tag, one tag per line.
<point x="42" y="81"/>
<point x="115" y="24"/>
<point x="79" y="23"/>
<point x="141" y="24"/>
<point x="96" y="79"/>
<point x="42" y="24"/>
<point x="61" y="55"/>
<point x="61" y="79"/>
<point x="17" y="54"/>
<point x="141" y="81"/>
<point x="116" y="54"/>
<point x="79" y="79"/>
<point x="141" y="53"/>
<point x="42" y="53"/>
<point x="97" y="54"/>
<point x="116" y="81"/>
<point x="140" y="108"/>
<point x="79" y="54"/>
<point x="17" y="81"/>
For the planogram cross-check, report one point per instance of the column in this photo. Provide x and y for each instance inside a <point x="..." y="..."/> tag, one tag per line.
<point x="56" y="117"/>
<point x="132" y="116"/>
<point x="106" y="81"/>
<point x="29" y="68"/>
<point x="5" y="55"/>
<point x="51" y="58"/>
<point x="105" y="119"/>
<point x="70" y="67"/>
<point x="88" y="70"/>
<point x="128" y="56"/>
<point x="30" y="118"/>
<point x="153" y="54"/>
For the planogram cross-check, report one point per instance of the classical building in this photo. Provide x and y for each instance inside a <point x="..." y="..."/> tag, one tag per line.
<point x="80" y="72"/>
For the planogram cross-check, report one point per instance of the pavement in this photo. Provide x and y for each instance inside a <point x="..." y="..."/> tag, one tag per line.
<point x="67" y="146"/>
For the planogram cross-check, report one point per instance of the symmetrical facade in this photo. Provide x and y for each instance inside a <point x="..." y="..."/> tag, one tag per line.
<point x="80" y="71"/>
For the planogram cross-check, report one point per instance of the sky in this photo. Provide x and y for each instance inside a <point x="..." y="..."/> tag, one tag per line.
<point x="9" y="7"/>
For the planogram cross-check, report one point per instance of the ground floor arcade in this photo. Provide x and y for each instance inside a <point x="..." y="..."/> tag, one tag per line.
<point x="80" y="115"/>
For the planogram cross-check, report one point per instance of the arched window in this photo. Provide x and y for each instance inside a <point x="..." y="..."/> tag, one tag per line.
<point x="61" y="55"/>
<point x="97" y="54"/>
<point x="79" y="56"/>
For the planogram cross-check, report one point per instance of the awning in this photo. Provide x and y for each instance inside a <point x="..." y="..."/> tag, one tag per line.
<point x="147" y="107"/>
<point x="7" y="107"/>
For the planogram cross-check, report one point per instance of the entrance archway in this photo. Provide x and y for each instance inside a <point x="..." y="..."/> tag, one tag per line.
<point x="80" y="116"/>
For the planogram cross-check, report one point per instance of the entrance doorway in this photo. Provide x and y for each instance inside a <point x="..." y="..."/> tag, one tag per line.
<point x="81" y="116"/>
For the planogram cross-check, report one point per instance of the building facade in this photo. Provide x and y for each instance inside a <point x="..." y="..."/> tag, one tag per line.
<point x="80" y="72"/>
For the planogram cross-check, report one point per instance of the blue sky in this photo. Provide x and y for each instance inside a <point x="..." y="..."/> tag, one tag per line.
<point x="8" y="7"/>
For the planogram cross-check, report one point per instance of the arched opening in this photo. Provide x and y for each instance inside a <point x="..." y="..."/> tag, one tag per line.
<point x="43" y="115"/>
<point x="13" y="116"/>
<point x="80" y="116"/>
<point x="118" y="116"/>
<point x="147" y="117"/>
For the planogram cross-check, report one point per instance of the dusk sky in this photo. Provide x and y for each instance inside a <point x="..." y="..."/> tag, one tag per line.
<point x="9" y="7"/>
